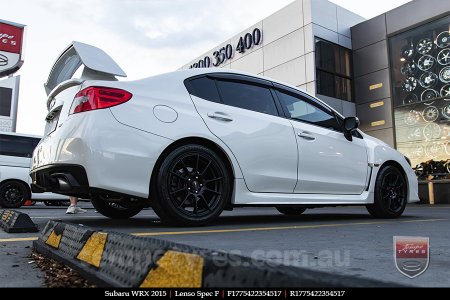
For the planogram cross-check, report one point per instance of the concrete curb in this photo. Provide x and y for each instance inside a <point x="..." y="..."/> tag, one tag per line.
<point x="16" y="222"/>
<point x="122" y="260"/>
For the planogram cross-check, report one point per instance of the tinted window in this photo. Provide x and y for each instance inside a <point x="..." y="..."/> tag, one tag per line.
<point x="334" y="76"/>
<point x="204" y="88"/>
<point x="5" y="101"/>
<point x="247" y="96"/>
<point x="17" y="145"/>
<point x="301" y="110"/>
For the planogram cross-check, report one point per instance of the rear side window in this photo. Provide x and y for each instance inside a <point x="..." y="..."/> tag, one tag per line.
<point x="247" y="96"/>
<point x="19" y="146"/>
<point x="205" y="88"/>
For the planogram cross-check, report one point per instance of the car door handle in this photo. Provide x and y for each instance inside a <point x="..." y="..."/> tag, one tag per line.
<point x="306" y="135"/>
<point x="220" y="116"/>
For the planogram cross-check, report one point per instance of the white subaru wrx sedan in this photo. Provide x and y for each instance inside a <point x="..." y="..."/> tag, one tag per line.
<point x="195" y="142"/>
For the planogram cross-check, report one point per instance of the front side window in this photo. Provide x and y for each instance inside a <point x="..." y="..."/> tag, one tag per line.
<point x="333" y="73"/>
<point x="301" y="110"/>
<point x="247" y="96"/>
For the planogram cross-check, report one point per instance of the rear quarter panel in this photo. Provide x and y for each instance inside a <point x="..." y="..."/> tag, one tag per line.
<point x="166" y="91"/>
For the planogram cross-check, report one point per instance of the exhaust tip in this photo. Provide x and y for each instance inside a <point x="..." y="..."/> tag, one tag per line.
<point x="64" y="185"/>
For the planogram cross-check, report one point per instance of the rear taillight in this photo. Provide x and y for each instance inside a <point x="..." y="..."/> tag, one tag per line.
<point x="95" y="97"/>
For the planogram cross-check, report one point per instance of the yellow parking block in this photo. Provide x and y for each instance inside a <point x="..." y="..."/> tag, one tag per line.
<point x="54" y="239"/>
<point x="92" y="250"/>
<point x="176" y="270"/>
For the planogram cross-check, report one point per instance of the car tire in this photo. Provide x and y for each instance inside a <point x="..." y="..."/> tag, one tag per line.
<point x="116" y="210"/>
<point x="291" y="211"/>
<point x="391" y="195"/>
<point x="192" y="187"/>
<point x="13" y="194"/>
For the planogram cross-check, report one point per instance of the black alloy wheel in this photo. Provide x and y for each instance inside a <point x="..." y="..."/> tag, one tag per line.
<point x="291" y="211"/>
<point x="13" y="194"/>
<point x="192" y="187"/>
<point x="116" y="207"/>
<point x="390" y="194"/>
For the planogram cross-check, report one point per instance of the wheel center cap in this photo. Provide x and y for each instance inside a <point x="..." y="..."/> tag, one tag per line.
<point x="195" y="185"/>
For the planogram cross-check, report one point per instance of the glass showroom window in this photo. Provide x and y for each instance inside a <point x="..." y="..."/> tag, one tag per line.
<point x="420" y="73"/>
<point x="333" y="70"/>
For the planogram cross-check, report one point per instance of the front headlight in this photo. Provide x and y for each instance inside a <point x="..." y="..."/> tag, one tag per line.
<point x="408" y="160"/>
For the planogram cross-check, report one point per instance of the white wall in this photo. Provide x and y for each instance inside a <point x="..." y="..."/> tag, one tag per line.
<point x="287" y="49"/>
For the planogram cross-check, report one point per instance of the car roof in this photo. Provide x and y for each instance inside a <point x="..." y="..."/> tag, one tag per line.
<point x="200" y="71"/>
<point x="20" y="134"/>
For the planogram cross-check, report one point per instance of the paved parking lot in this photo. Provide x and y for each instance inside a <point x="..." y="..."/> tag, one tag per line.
<point x="344" y="240"/>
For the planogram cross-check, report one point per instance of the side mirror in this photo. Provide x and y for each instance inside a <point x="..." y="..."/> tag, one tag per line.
<point x="350" y="124"/>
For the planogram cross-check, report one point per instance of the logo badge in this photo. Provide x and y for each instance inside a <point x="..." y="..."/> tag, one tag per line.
<point x="411" y="255"/>
<point x="3" y="60"/>
<point x="11" y="41"/>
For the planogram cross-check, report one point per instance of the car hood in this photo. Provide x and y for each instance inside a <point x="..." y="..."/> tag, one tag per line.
<point x="97" y="65"/>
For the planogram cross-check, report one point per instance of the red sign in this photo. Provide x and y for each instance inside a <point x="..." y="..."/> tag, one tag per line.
<point x="411" y="255"/>
<point x="10" y="38"/>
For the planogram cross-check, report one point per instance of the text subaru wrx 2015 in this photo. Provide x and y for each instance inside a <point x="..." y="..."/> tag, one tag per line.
<point x="192" y="143"/>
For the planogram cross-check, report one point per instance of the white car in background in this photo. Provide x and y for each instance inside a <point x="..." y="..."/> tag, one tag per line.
<point x="15" y="160"/>
<point x="192" y="143"/>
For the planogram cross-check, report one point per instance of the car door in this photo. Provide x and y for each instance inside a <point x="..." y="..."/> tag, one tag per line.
<point x="328" y="162"/>
<point x="241" y="111"/>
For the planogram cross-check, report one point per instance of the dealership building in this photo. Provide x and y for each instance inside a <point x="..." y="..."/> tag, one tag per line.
<point x="392" y="71"/>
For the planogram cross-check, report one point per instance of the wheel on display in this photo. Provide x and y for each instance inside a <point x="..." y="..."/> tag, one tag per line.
<point x="444" y="75"/>
<point x="13" y="194"/>
<point x="291" y="211"/>
<point x="447" y="148"/>
<point x="432" y="131"/>
<point x="409" y="84"/>
<point x="443" y="57"/>
<point x="412" y="117"/>
<point x="409" y="68"/>
<point x="407" y="52"/>
<point x="415" y="134"/>
<point x="446" y="111"/>
<point x="443" y="39"/>
<point x="430" y="114"/>
<point x="119" y="207"/>
<point x="391" y="195"/>
<point x="426" y="62"/>
<point x="192" y="187"/>
<point x="428" y="94"/>
<point x="428" y="80"/>
<point x="433" y="150"/>
<point x="424" y="46"/>
<point x="418" y="151"/>
<point x="410" y="99"/>
<point x="445" y="91"/>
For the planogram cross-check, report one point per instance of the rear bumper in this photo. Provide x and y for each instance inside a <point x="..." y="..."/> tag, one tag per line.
<point x="64" y="179"/>
<point x="94" y="152"/>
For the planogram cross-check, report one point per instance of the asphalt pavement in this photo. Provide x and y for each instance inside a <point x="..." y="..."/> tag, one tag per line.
<point x="342" y="240"/>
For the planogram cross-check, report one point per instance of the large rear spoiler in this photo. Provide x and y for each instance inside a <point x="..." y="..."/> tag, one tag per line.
<point x="97" y="65"/>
